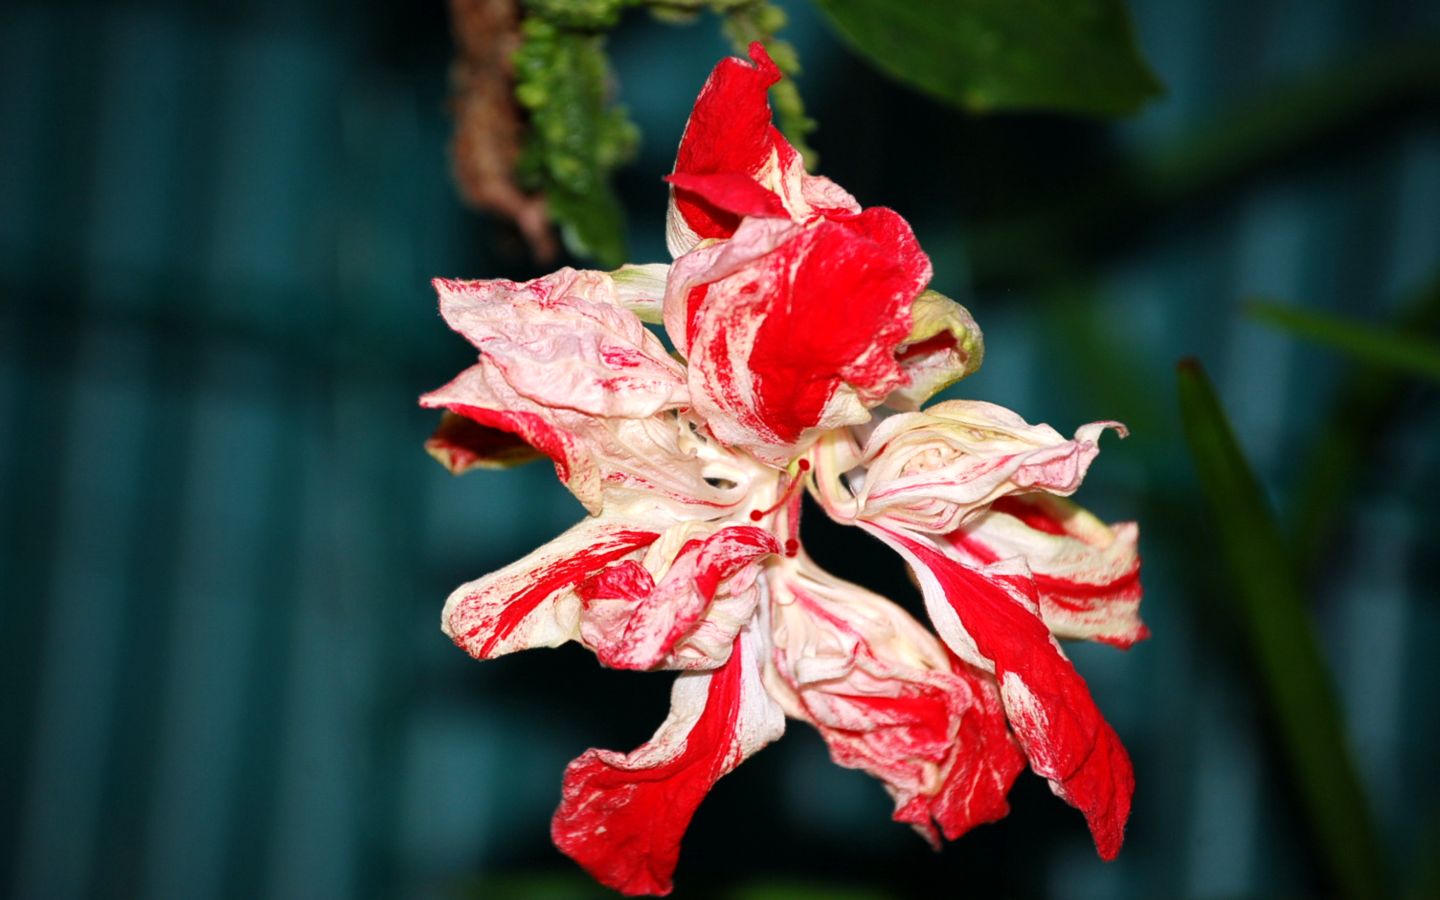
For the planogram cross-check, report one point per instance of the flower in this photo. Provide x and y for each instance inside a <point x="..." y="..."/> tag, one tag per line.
<point x="806" y="347"/>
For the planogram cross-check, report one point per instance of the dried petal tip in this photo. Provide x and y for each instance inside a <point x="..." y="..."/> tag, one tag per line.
<point x="460" y="444"/>
<point x="944" y="346"/>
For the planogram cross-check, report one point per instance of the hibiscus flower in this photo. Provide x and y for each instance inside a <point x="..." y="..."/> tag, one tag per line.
<point x="806" y="345"/>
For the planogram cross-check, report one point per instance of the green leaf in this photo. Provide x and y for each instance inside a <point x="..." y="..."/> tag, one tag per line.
<point x="1373" y="344"/>
<point x="1365" y="412"/>
<point x="575" y="138"/>
<point x="1075" y="56"/>
<point x="1269" y="609"/>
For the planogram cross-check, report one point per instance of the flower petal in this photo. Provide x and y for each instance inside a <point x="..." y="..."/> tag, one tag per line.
<point x="944" y="346"/>
<point x="657" y="461"/>
<point x="792" y="330"/>
<point x="634" y="623"/>
<point x="461" y="444"/>
<point x="737" y="194"/>
<point x="1087" y="573"/>
<point x="564" y="341"/>
<point x="890" y="700"/>
<point x="622" y="816"/>
<point x="990" y="620"/>
<point x="733" y="163"/>
<point x="482" y="395"/>
<point x="532" y="602"/>
<point x="641" y="289"/>
<point x="934" y="470"/>
<point x="729" y="132"/>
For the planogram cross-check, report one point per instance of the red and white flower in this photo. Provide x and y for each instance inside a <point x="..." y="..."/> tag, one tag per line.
<point x="809" y="345"/>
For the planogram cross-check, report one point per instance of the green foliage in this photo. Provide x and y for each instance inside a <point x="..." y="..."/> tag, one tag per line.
<point x="1367" y="407"/>
<point x="576" y="138"/>
<point x="1074" y="56"/>
<point x="582" y="14"/>
<point x="1379" y="346"/>
<point x="1268" y="606"/>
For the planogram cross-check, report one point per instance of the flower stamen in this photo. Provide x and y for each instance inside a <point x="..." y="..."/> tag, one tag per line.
<point x="789" y="491"/>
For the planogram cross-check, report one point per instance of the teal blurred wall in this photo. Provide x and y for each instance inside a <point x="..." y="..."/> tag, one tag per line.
<point x="224" y="552"/>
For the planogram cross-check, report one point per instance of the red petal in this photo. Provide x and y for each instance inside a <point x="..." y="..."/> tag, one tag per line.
<point x="622" y="816"/>
<point x="653" y="617"/>
<point x="732" y="192"/>
<point x="1050" y="709"/>
<point x="461" y="444"/>
<point x="1087" y="574"/>
<point x="499" y="613"/>
<point x="974" y="791"/>
<point x="775" y="341"/>
<point x="889" y="700"/>
<point x="838" y="317"/>
<point x="528" y="428"/>
<point x="728" y="133"/>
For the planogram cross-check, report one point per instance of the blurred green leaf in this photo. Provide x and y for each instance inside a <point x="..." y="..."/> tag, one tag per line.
<point x="1074" y="56"/>
<point x="576" y="138"/>
<point x="1269" y="610"/>
<point x="1373" y="344"/>
<point x="1294" y="124"/>
<point x="1365" y="411"/>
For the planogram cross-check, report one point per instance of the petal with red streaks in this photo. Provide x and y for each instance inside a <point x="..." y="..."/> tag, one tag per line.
<point x="600" y="459"/>
<point x="733" y="163"/>
<point x="988" y="619"/>
<point x="792" y="330"/>
<point x="533" y="602"/>
<point x="633" y="622"/>
<point x="622" y="815"/>
<point x="944" y="346"/>
<point x="890" y="700"/>
<point x="564" y="341"/>
<point x="461" y="444"/>
<point x="729" y="133"/>
<point x="934" y="470"/>
<point x="1086" y="573"/>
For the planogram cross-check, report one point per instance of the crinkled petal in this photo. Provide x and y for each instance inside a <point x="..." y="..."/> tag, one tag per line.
<point x="622" y="816"/>
<point x="934" y="470"/>
<point x="1086" y="573"/>
<point x="658" y="459"/>
<point x="482" y="395"/>
<point x="564" y="341"/>
<point x="633" y="622"/>
<point x="991" y="619"/>
<point x="729" y="132"/>
<point x="733" y="163"/>
<point x="738" y="194"/>
<point x="532" y="602"/>
<point x="891" y="701"/>
<point x="944" y="346"/>
<point x="792" y="330"/>
<point x="461" y="444"/>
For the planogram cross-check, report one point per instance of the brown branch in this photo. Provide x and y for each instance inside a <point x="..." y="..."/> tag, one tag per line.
<point x="488" y="123"/>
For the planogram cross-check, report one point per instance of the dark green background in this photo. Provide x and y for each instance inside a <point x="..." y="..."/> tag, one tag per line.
<point x="225" y="553"/>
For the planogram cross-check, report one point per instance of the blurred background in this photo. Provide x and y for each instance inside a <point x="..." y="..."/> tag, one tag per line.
<point x="225" y="552"/>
